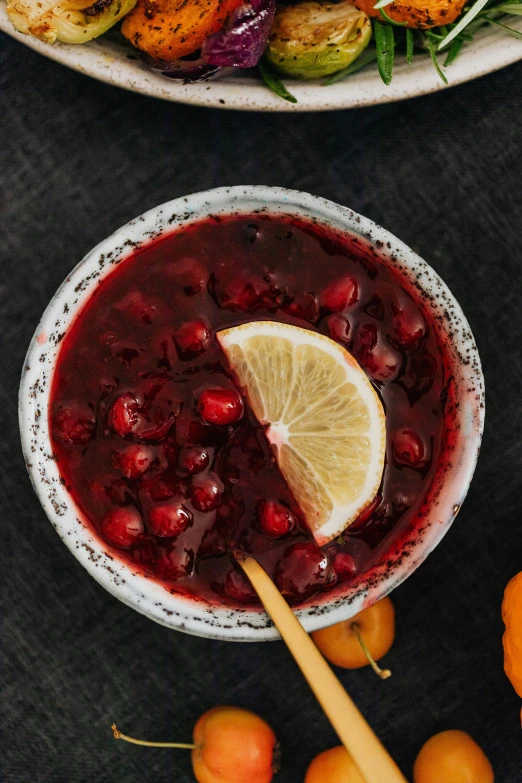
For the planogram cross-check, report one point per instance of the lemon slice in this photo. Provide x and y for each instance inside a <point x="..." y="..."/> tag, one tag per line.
<point x="324" y="419"/>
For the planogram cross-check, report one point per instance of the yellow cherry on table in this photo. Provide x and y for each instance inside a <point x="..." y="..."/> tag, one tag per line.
<point x="452" y="757"/>
<point x="333" y="766"/>
<point x="231" y="745"/>
<point x="512" y="639"/>
<point x="375" y="627"/>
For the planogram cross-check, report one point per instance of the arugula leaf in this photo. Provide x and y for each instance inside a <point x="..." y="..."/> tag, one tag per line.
<point x="275" y="84"/>
<point x="389" y="20"/>
<point x="385" y="49"/>
<point x="509" y="8"/>
<point x="433" y="35"/>
<point x="509" y="30"/>
<point x="431" y="47"/>
<point x="367" y="57"/>
<point x="475" y="9"/>
<point x="409" y="45"/>
<point x="453" y="51"/>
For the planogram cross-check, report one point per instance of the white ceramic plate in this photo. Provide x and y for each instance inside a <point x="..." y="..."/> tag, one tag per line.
<point x="116" y="64"/>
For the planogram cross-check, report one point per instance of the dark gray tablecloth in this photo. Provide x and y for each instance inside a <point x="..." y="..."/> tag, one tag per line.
<point x="443" y="173"/>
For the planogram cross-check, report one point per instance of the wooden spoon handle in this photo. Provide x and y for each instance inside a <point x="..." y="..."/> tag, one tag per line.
<point x="369" y="754"/>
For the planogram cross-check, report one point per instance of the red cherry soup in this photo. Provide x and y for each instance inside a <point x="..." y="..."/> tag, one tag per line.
<point x="158" y="447"/>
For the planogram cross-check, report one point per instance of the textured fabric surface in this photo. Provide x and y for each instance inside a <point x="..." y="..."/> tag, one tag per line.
<point x="78" y="159"/>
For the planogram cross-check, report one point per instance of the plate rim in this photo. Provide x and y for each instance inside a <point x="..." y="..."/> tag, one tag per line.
<point x="107" y="62"/>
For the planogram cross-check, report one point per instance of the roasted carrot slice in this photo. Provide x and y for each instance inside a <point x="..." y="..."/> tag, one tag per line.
<point x="422" y="14"/>
<point x="170" y="29"/>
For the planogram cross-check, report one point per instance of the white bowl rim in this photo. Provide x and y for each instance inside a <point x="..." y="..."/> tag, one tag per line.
<point x="109" y="62"/>
<point x="147" y="596"/>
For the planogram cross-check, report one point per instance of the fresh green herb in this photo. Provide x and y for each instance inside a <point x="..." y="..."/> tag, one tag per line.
<point x="510" y="8"/>
<point x="453" y="36"/>
<point x="433" y="53"/>
<point x="509" y="30"/>
<point x="409" y="45"/>
<point x="391" y="21"/>
<point x="275" y="84"/>
<point x="433" y="36"/>
<point x="475" y="9"/>
<point x="370" y="55"/>
<point x="453" y="51"/>
<point x="385" y="49"/>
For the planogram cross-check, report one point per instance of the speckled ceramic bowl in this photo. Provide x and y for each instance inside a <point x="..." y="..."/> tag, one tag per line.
<point x="196" y="615"/>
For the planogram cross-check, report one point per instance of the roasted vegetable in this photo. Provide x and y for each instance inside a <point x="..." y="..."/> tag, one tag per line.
<point x="170" y="29"/>
<point x="189" y="69"/>
<point x="241" y="43"/>
<point x="67" y="21"/>
<point x="422" y="14"/>
<point x="312" y="40"/>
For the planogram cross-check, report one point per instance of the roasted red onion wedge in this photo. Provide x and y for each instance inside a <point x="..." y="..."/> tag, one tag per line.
<point x="190" y="69"/>
<point x="242" y="42"/>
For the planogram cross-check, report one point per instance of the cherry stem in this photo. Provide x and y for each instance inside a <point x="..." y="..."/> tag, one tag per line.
<point x="183" y="745"/>
<point x="382" y="673"/>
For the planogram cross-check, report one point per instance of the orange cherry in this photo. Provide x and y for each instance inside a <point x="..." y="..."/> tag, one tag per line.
<point x="452" y="757"/>
<point x="333" y="766"/>
<point x="231" y="745"/>
<point x="360" y="641"/>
